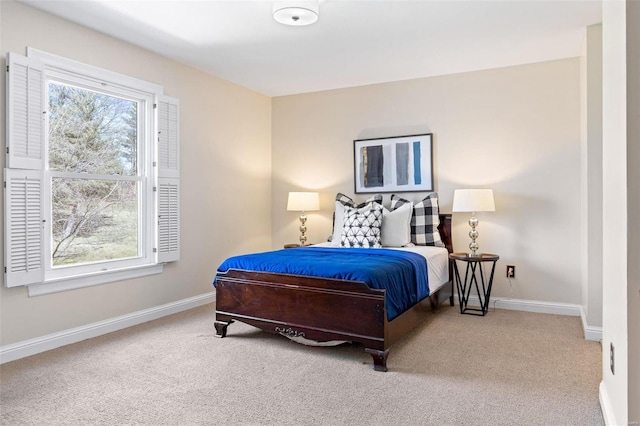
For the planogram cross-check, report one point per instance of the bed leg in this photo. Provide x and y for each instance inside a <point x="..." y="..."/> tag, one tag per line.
<point x="221" y="328"/>
<point x="433" y="301"/>
<point x="379" y="359"/>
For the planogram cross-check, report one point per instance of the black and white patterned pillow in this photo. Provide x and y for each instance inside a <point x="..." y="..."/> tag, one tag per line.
<point x="362" y="227"/>
<point x="424" y="221"/>
<point x="338" y="215"/>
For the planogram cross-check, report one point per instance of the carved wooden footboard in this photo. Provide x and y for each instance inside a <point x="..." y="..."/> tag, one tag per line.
<point x="318" y="309"/>
<point x="313" y="308"/>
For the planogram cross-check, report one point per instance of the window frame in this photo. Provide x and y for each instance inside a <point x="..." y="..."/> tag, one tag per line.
<point x="145" y="174"/>
<point x="153" y="177"/>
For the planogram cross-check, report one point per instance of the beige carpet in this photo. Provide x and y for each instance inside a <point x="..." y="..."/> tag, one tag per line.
<point x="508" y="368"/>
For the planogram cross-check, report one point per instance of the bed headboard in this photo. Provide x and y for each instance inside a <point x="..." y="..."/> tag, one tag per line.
<point x="445" y="231"/>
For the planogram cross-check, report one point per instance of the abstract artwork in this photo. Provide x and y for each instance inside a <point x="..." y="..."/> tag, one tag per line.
<point x="394" y="164"/>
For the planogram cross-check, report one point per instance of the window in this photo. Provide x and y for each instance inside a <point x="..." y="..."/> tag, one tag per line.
<point x="92" y="177"/>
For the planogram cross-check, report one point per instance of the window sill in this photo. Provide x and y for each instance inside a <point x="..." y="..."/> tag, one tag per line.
<point x="88" y="280"/>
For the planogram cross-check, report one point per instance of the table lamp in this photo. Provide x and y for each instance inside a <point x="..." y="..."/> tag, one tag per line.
<point x="303" y="202"/>
<point x="473" y="200"/>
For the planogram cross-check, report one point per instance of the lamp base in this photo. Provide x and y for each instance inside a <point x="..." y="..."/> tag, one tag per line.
<point x="303" y="229"/>
<point x="473" y="234"/>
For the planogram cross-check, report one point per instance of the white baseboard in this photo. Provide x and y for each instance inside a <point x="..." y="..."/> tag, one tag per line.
<point x="605" y="405"/>
<point x="51" y="341"/>
<point x="590" y="332"/>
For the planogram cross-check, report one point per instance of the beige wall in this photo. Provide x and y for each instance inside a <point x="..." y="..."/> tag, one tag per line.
<point x="516" y="130"/>
<point x="591" y="176"/>
<point x="226" y="169"/>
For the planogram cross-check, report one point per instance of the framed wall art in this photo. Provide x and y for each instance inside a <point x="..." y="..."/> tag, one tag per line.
<point x="394" y="164"/>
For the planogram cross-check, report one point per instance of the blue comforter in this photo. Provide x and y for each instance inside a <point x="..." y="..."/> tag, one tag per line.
<point x="402" y="274"/>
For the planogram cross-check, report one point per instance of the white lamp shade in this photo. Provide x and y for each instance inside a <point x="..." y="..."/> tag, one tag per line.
<point x="303" y="202"/>
<point x="473" y="200"/>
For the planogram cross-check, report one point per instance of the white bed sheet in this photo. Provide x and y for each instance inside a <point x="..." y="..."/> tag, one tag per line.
<point x="437" y="262"/>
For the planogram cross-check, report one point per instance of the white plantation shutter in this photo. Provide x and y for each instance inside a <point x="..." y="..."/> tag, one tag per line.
<point x="168" y="219"/>
<point x="24" y="251"/>
<point x="25" y="117"/>
<point x="23" y="192"/>
<point x="168" y="192"/>
<point x="168" y="137"/>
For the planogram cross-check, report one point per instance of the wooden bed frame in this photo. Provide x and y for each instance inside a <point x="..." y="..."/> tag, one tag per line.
<point x="321" y="309"/>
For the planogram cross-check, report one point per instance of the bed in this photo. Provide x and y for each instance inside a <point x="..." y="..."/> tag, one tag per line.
<point x="321" y="309"/>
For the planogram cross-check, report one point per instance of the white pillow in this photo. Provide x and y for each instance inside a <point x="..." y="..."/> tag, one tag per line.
<point x="338" y="222"/>
<point x="396" y="226"/>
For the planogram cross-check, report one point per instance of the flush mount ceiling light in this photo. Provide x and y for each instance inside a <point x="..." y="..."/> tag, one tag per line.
<point x="296" y="13"/>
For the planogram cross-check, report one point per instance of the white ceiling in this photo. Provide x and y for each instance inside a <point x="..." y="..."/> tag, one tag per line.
<point x="354" y="43"/>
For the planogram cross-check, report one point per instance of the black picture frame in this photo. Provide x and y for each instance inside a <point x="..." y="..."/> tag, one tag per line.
<point x="393" y="164"/>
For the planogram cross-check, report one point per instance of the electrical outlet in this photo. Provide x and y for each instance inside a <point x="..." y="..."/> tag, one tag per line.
<point x="511" y="271"/>
<point x="612" y="359"/>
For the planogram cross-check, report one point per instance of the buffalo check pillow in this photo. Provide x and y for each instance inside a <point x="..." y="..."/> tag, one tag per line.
<point x="424" y="221"/>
